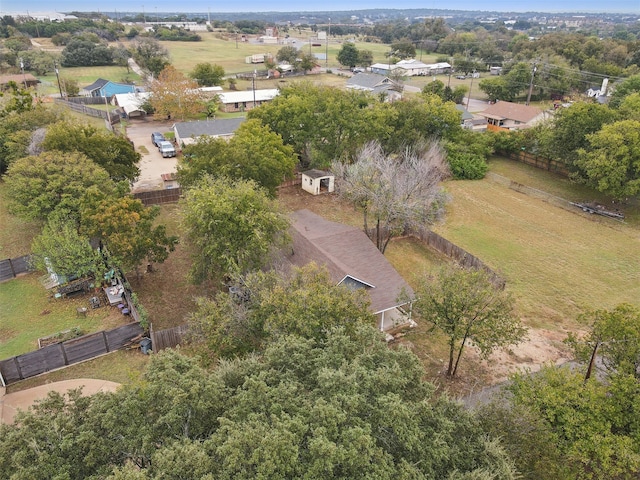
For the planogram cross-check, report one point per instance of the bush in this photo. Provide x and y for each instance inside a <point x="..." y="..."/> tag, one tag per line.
<point x="467" y="166"/>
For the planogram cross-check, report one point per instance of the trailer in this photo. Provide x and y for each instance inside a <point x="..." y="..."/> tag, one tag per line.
<point x="598" y="209"/>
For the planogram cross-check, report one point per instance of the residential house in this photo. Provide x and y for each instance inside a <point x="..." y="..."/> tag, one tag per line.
<point x="246" y="99"/>
<point x="106" y="88"/>
<point x="511" y="116"/>
<point x="22" y="80"/>
<point x="318" y="181"/>
<point x="187" y="133"/>
<point x="353" y="261"/>
<point x="375" y="84"/>
<point x="411" y="68"/>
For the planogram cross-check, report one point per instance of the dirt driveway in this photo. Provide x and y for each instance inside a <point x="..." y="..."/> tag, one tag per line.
<point x="22" y="400"/>
<point x="152" y="164"/>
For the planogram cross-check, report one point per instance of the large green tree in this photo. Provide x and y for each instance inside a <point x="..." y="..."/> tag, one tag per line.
<point x="593" y="425"/>
<point x="348" y="55"/>
<point x="65" y="251"/>
<point x="323" y="123"/>
<point x="614" y="336"/>
<point x="611" y="165"/>
<point x="570" y="127"/>
<point x="41" y="184"/>
<point x="467" y="307"/>
<point x="253" y="153"/>
<point x="266" y="306"/>
<point x="129" y="231"/>
<point x="150" y="55"/>
<point x="347" y="407"/>
<point x="233" y="226"/>
<point x="208" y="74"/>
<point x="115" y="153"/>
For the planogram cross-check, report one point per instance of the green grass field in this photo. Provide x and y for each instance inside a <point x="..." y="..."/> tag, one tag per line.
<point x="29" y="312"/>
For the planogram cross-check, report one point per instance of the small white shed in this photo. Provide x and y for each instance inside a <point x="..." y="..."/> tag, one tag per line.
<point x="318" y="181"/>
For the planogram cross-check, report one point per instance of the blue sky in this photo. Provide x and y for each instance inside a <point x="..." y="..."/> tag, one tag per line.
<point x="587" y="6"/>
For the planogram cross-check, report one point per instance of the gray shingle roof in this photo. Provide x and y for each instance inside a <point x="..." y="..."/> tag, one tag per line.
<point x="217" y="127"/>
<point x="98" y="84"/>
<point x="368" y="81"/>
<point x="346" y="250"/>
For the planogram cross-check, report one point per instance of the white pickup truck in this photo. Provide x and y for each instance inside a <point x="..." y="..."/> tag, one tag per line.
<point x="166" y="149"/>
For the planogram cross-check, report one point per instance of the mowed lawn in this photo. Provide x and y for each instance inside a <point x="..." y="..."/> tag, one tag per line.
<point x="558" y="263"/>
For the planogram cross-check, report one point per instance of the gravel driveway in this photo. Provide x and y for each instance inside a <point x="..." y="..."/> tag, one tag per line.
<point x="152" y="164"/>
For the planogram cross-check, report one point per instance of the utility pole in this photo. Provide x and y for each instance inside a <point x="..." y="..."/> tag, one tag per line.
<point x="253" y="85"/>
<point x="326" y="60"/>
<point x="470" y="88"/>
<point x="591" y="362"/>
<point x="55" y="67"/>
<point x="144" y="17"/>
<point x="24" y="77"/>
<point x="533" y="72"/>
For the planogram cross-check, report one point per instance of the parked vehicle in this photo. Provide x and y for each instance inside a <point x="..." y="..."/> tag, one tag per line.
<point x="167" y="149"/>
<point x="156" y="138"/>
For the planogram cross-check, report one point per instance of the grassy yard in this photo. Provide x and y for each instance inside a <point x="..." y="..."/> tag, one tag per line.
<point x="29" y="312"/>
<point x="16" y="234"/>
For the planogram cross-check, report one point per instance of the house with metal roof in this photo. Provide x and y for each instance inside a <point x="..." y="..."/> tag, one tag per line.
<point x="244" y="100"/>
<point x="187" y="133"/>
<point x="353" y="261"/>
<point x="21" y="80"/>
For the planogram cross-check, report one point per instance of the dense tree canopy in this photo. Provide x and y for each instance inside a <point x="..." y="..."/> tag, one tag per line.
<point x="115" y="153"/>
<point x="233" y="226"/>
<point x="348" y="55"/>
<point x="323" y="123"/>
<point x="150" y="55"/>
<point x="612" y="163"/>
<point x="61" y="248"/>
<point x="253" y="153"/>
<point x="85" y="53"/>
<point x="127" y="228"/>
<point x="41" y="184"/>
<point x="343" y="408"/>
<point x="263" y="307"/>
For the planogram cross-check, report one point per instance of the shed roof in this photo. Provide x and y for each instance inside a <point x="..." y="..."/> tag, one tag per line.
<point x="347" y="252"/>
<point x="20" y="78"/>
<point x="213" y="128"/>
<point x="131" y="102"/>
<point x="314" y="173"/>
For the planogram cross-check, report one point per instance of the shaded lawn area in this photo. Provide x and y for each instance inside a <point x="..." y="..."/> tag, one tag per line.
<point x="29" y="312"/>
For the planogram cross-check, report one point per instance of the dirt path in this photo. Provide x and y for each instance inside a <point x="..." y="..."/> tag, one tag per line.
<point x="12" y="402"/>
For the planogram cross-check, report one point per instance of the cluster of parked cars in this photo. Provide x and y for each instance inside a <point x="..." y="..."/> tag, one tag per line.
<point x="165" y="147"/>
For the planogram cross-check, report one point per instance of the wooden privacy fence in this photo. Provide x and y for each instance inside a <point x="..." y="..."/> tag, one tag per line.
<point x="112" y="117"/>
<point x="538" y="162"/>
<point x="453" y="251"/>
<point x="66" y="353"/>
<point x="12" y="267"/>
<point x="157" y="197"/>
<point x="167" y="338"/>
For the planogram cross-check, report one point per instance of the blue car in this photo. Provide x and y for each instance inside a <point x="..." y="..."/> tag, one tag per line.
<point x="156" y="138"/>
